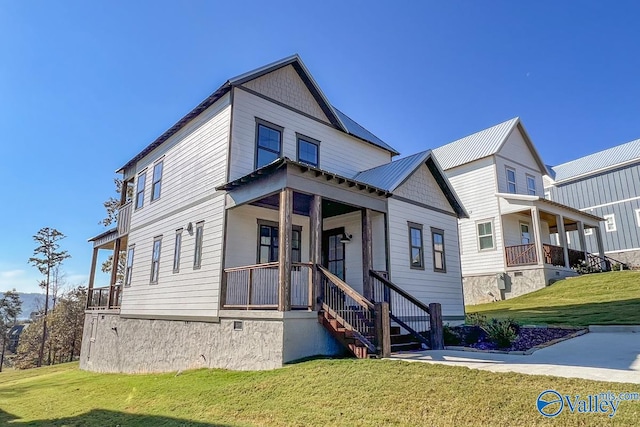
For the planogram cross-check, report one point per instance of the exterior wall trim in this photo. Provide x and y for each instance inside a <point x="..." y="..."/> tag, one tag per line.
<point x="424" y="205"/>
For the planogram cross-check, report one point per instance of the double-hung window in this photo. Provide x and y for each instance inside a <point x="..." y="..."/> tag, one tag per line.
<point x="177" y="247"/>
<point x="609" y="223"/>
<point x="197" y="254"/>
<point x="511" y="180"/>
<point x="142" y="178"/>
<point x="531" y="185"/>
<point x="485" y="235"/>
<point x="157" y="181"/>
<point x="437" y="239"/>
<point x="268" y="142"/>
<point x="416" y="248"/>
<point x="308" y="150"/>
<point x="268" y="244"/>
<point x="155" y="259"/>
<point x="129" y="268"/>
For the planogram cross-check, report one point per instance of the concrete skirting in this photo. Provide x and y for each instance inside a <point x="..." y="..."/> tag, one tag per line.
<point x="614" y="328"/>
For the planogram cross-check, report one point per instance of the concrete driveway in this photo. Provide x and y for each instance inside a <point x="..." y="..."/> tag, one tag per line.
<point x="603" y="356"/>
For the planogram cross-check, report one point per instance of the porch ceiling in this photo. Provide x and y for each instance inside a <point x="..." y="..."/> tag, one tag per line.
<point x="518" y="203"/>
<point x="302" y="205"/>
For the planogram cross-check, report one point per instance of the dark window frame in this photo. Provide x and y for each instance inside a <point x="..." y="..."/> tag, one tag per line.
<point x="268" y="125"/>
<point x="310" y="141"/>
<point x="128" y="270"/>
<point x="419" y="227"/>
<point x="440" y="232"/>
<point x="140" y="192"/>
<point x="199" y="239"/>
<point x="157" y="183"/>
<point x="295" y="229"/>
<point x="155" y="263"/>
<point x="177" y="249"/>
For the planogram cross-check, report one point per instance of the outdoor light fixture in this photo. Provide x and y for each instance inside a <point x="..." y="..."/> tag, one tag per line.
<point x="346" y="238"/>
<point x="190" y="228"/>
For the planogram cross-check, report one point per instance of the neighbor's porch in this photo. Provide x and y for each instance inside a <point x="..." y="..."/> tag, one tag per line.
<point x="535" y="233"/>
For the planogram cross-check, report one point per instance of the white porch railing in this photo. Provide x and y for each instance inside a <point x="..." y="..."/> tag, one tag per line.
<point x="256" y="287"/>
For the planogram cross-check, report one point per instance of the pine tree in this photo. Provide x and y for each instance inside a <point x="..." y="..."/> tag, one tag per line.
<point x="10" y="308"/>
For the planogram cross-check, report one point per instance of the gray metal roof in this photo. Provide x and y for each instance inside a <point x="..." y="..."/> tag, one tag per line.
<point x="336" y="117"/>
<point x="476" y="146"/>
<point x="598" y="162"/>
<point x="390" y="175"/>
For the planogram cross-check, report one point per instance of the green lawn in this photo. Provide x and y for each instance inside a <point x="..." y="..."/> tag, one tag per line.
<point x="346" y="392"/>
<point x="594" y="299"/>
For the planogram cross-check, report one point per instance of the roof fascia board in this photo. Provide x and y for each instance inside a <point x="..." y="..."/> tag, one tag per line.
<point x="445" y="186"/>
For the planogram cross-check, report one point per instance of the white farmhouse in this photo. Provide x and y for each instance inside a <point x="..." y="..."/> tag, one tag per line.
<point x="506" y="242"/>
<point x="267" y="226"/>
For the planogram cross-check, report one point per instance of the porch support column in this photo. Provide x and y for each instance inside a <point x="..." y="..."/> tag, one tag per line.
<point x="284" y="251"/>
<point x="367" y="253"/>
<point x="603" y="264"/>
<point x="535" y="219"/>
<point x="583" y="243"/>
<point x="562" y="239"/>
<point x="315" y="224"/>
<point x="92" y="275"/>
<point x="114" y="270"/>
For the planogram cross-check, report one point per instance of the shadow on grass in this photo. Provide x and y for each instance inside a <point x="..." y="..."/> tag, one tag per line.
<point x="101" y="418"/>
<point x="600" y="313"/>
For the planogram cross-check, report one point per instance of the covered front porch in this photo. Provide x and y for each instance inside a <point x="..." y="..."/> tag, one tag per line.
<point x="535" y="234"/>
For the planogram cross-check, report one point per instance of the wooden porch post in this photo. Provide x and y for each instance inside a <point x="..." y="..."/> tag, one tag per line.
<point x="583" y="243"/>
<point x="436" y="327"/>
<point x="562" y="237"/>
<point x="114" y="270"/>
<point x="92" y="275"/>
<point x="383" y="328"/>
<point x="535" y="219"/>
<point x="315" y="225"/>
<point x="284" y="251"/>
<point x="367" y="253"/>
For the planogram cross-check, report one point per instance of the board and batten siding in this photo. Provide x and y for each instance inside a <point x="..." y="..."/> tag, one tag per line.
<point x="614" y="192"/>
<point x="475" y="185"/>
<point x="339" y="152"/>
<point x="194" y="163"/>
<point x="426" y="285"/>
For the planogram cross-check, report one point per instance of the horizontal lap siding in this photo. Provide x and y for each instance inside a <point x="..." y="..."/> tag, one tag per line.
<point x="475" y="185"/>
<point x="516" y="154"/>
<point x="339" y="152"/>
<point x="194" y="163"/>
<point x="426" y="285"/>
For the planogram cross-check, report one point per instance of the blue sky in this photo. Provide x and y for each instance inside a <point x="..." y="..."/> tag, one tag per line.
<point x="85" y="85"/>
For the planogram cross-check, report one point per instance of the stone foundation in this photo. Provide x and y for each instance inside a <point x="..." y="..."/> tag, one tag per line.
<point x="631" y="258"/>
<point x="485" y="288"/>
<point x="264" y="341"/>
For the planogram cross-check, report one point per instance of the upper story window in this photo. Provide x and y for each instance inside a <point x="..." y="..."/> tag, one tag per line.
<point x="129" y="268"/>
<point x="308" y="150"/>
<point x="511" y="180"/>
<point x="142" y="178"/>
<point x="157" y="181"/>
<point x="437" y="239"/>
<point x="268" y="242"/>
<point x="268" y="142"/>
<point x="531" y="185"/>
<point x="416" y="249"/>
<point x="155" y="259"/>
<point x="609" y="223"/>
<point x="485" y="235"/>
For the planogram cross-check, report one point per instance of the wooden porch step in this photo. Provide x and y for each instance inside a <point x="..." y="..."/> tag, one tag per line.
<point x="343" y="335"/>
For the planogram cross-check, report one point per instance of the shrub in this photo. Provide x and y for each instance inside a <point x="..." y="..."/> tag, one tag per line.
<point x="450" y="336"/>
<point x="502" y="332"/>
<point x="475" y="319"/>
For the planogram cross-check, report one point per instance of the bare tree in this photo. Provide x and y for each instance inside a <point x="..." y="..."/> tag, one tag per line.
<point x="10" y="308"/>
<point x="46" y="257"/>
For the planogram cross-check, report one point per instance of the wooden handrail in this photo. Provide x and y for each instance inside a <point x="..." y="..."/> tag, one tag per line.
<point x="404" y="294"/>
<point x="251" y="267"/>
<point x="346" y="288"/>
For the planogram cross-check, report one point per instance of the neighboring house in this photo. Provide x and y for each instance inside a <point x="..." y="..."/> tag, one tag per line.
<point x="606" y="184"/>
<point x="264" y="164"/>
<point x="14" y="337"/>
<point x="506" y="247"/>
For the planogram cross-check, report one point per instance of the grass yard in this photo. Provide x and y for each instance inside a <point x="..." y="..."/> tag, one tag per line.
<point x="346" y="392"/>
<point x="594" y="299"/>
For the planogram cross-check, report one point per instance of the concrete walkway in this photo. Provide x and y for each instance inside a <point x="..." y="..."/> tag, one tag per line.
<point x="602" y="356"/>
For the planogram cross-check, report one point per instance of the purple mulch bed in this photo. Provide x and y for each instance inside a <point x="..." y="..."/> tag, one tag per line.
<point x="527" y="338"/>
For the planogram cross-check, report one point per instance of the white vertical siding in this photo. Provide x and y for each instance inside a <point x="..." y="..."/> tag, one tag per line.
<point x="194" y="163"/>
<point x="426" y="285"/>
<point x="339" y="152"/>
<point x="475" y="184"/>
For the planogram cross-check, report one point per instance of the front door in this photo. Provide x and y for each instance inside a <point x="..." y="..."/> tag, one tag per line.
<point x="333" y="251"/>
<point x="525" y="237"/>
